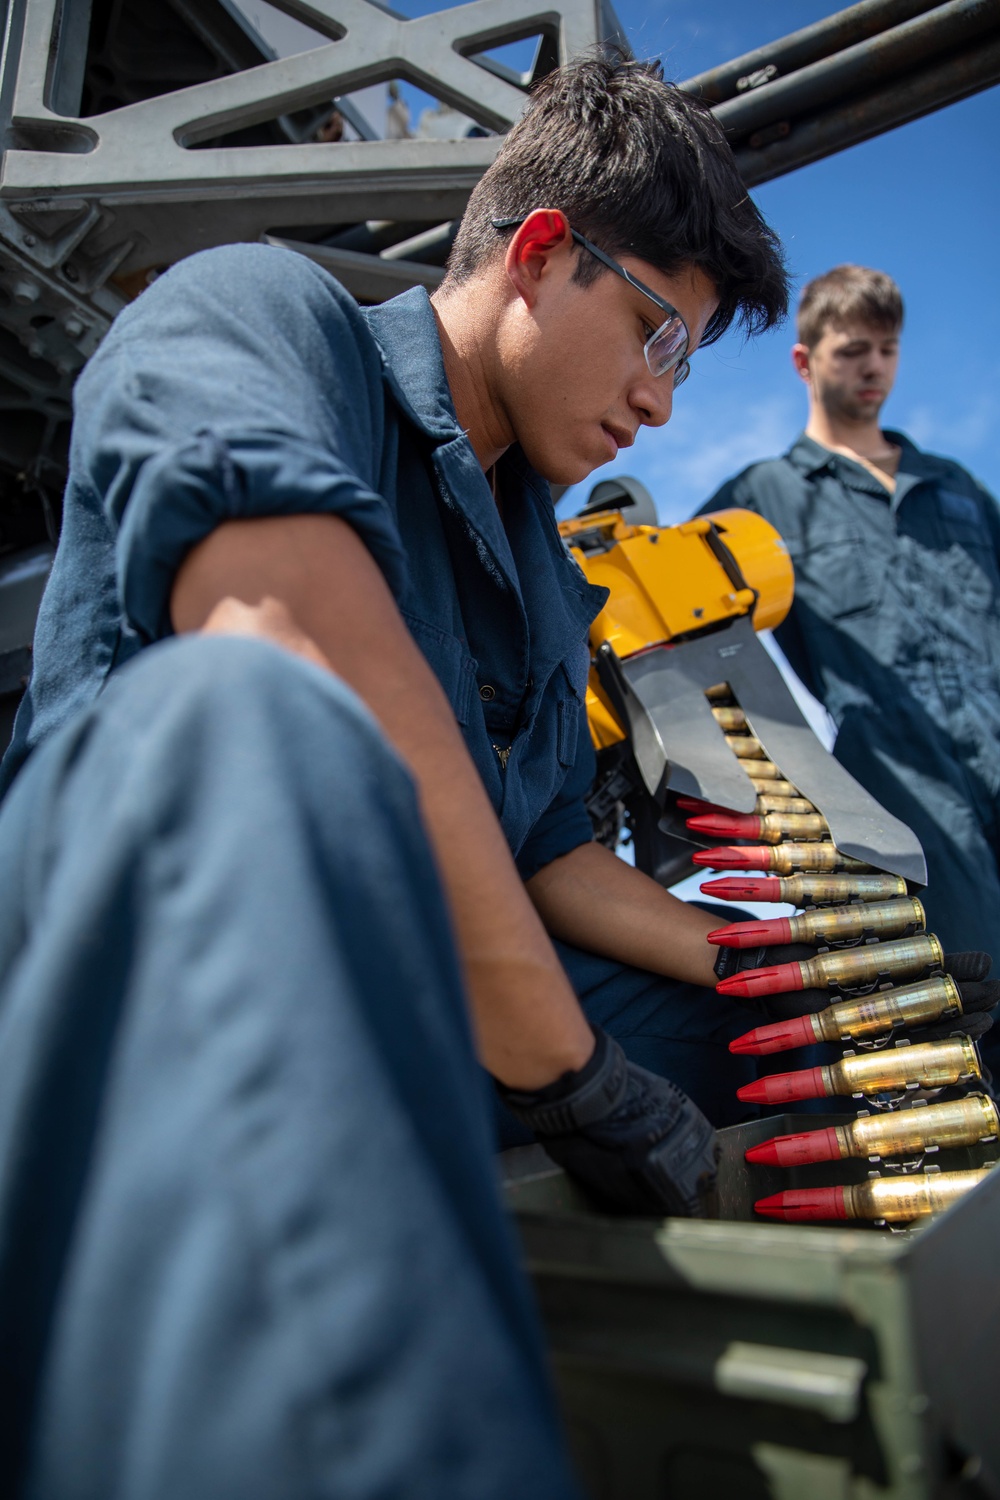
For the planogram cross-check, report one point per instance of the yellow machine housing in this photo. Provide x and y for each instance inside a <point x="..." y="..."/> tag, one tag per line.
<point x="668" y="583"/>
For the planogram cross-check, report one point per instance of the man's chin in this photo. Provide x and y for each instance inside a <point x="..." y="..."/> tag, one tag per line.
<point x="564" y="469"/>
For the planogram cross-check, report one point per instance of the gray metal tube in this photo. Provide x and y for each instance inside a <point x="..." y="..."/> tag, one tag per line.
<point x="914" y="95"/>
<point x="865" y="65"/>
<point x="801" y="48"/>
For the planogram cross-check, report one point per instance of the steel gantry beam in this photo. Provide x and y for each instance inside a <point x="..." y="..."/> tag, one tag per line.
<point x="134" y="132"/>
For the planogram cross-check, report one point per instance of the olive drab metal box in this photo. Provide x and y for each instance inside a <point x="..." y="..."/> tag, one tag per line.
<point x="739" y="1360"/>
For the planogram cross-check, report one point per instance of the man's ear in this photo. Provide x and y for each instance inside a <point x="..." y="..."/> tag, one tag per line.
<point x="800" y="359"/>
<point x="541" y="243"/>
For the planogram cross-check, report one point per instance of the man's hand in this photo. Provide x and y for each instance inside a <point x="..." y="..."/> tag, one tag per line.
<point x="633" y="1140"/>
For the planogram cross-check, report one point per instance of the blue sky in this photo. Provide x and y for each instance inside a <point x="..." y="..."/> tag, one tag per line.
<point x="921" y="202"/>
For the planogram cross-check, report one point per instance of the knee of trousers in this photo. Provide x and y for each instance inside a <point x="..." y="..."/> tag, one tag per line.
<point x="242" y="698"/>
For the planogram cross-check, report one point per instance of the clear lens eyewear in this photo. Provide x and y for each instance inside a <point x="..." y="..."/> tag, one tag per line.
<point x="666" y="348"/>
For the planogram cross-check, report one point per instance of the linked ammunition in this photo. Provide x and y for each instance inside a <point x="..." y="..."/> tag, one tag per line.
<point x="730" y="718"/>
<point x="772" y="828"/>
<point x="904" y="958"/>
<point x="932" y="1065"/>
<point x="894" y="1200"/>
<point x="746" y="747"/>
<point x="783" y="860"/>
<point x="780" y="802"/>
<point x="763" y="770"/>
<point x="808" y="890"/>
<point x="770" y="787"/>
<point x="957" y="1122"/>
<point x="836" y="924"/>
<point x="867" y="1016"/>
<point x="768" y="803"/>
<point x="720" y="690"/>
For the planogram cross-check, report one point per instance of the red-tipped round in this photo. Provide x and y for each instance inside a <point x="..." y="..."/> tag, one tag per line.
<point x="799" y="1205"/>
<point x="731" y="889"/>
<point x="783" y="1088"/>
<point x="773" y="981"/>
<point x="696" y="805"/>
<point x="752" y="934"/>
<point x="727" y="857"/>
<point x="782" y="1036"/>
<point x="798" y="1150"/>
<point x="727" y="825"/>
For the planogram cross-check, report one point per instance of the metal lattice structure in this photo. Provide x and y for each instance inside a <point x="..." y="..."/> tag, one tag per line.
<point x="135" y="132"/>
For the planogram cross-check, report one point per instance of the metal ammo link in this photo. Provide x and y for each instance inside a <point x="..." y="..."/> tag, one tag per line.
<point x="589" y="1101"/>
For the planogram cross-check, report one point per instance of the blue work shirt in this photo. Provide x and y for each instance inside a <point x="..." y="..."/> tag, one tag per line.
<point x="897" y="594"/>
<point x="246" y="382"/>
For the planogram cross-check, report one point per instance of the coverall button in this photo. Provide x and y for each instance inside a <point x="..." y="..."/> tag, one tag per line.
<point x="486" y="692"/>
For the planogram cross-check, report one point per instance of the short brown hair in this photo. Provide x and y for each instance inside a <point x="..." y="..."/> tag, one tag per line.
<point x="640" y="168"/>
<point x="848" y="294"/>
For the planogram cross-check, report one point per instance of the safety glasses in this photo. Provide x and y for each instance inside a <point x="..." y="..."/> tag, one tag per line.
<point x="666" y="348"/>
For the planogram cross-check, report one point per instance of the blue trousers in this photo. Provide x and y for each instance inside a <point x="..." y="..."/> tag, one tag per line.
<point x="250" y="1240"/>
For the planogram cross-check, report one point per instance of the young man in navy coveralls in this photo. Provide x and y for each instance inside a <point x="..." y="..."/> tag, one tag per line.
<point x="303" y="762"/>
<point x="895" y="625"/>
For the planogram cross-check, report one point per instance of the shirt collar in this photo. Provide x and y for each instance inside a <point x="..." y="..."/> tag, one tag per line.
<point x="406" y="332"/>
<point x="812" y="458"/>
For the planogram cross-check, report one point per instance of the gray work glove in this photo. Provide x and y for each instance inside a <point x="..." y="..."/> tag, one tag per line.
<point x="634" y="1141"/>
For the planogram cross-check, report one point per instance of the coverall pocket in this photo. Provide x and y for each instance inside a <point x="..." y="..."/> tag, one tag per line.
<point x="569" y="710"/>
<point x="450" y="662"/>
<point x="569" y="731"/>
<point x="838" y="579"/>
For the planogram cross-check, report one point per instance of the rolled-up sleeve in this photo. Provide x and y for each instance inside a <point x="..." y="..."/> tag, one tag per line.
<point x="241" y="384"/>
<point x="565" y="823"/>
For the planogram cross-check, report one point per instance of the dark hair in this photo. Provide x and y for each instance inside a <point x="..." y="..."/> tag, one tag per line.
<point x="640" y="168"/>
<point x="849" y="294"/>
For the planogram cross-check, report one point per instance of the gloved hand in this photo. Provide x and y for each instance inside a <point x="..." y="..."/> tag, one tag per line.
<point x="633" y="1140"/>
<point x="969" y="971"/>
<point x="979" y="996"/>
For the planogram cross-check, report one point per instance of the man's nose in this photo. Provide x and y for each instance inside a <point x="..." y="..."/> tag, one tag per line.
<point x="653" y="399"/>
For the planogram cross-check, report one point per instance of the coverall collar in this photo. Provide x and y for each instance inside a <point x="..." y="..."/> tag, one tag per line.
<point x="406" y="332"/>
<point x="812" y="458"/>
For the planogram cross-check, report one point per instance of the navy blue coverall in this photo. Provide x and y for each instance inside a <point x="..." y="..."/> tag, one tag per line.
<point x="250" y="1243"/>
<point x="895" y="627"/>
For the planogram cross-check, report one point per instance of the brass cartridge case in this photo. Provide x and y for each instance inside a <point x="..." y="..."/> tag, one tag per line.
<point x="746" y="747"/>
<point x="787" y="858"/>
<point x="904" y="957"/>
<point x="777" y="826"/>
<point x="824" y="890"/>
<point x="774" y="787"/>
<point x="957" y="1122"/>
<point x="730" y="718"/>
<point x="762" y="770"/>
<point x="933" y="1065"/>
<point x="839" y="924"/>
<point x="900" y="1199"/>
<point x="720" y="690"/>
<point x="781" y="802"/>
<point x="874" y="1015"/>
